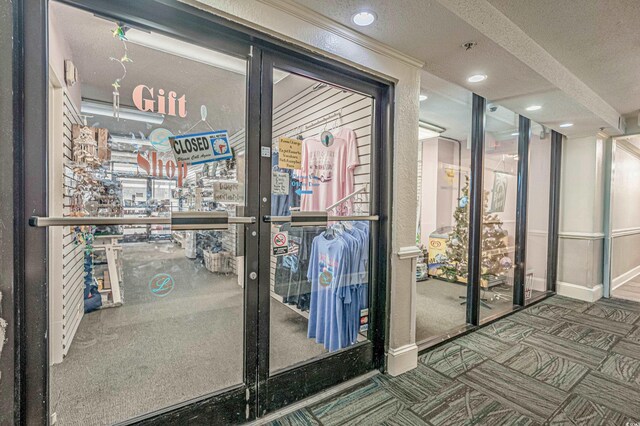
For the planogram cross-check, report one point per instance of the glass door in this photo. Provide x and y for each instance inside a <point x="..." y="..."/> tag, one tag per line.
<point x="320" y="217"/>
<point x="150" y="224"/>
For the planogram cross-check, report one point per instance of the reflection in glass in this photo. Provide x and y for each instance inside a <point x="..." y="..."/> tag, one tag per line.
<point x="443" y="209"/>
<point x="321" y="146"/>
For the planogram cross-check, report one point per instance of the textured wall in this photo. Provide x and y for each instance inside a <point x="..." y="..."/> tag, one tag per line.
<point x="6" y="213"/>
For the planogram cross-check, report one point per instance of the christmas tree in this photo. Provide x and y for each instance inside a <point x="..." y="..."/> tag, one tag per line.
<point x="495" y="259"/>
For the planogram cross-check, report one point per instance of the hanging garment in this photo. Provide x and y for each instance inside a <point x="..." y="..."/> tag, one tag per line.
<point x="327" y="172"/>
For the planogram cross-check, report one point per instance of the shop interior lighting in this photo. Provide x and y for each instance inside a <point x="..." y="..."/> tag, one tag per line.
<point x="428" y="130"/>
<point x="91" y="107"/>
<point x="566" y="125"/>
<point x="423" y="98"/>
<point x="363" y="18"/>
<point x="515" y="134"/>
<point x="533" y="108"/>
<point x="192" y="52"/>
<point x="477" y="78"/>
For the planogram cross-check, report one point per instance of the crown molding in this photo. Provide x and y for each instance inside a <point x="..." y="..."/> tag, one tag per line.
<point x="312" y="17"/>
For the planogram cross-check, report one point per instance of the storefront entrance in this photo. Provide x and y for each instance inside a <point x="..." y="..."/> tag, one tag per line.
<point x="210" y="208"/>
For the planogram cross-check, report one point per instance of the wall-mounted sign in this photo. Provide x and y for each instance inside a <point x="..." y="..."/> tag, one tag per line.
<point x="198" y="148"/>
<point x="290" y="153"/>
<point x="146" y="99"/>
<point x="228" y="192"/>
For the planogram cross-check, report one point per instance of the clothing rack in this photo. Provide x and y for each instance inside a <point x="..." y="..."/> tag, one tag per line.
<point x="358" y="198"/>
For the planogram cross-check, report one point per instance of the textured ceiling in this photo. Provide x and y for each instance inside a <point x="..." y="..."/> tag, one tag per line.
<point x="430" y="32"/>
<point x="598" y="41"/>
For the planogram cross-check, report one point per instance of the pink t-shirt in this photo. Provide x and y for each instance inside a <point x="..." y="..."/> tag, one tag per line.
<point x="327" y="171"/>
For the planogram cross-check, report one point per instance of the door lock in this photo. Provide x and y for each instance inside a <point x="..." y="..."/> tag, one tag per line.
<point x="253" y="275"/>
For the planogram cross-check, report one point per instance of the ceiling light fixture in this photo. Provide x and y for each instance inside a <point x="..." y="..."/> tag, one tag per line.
<point x="533" y="108"/>
<point x="363" y="18"/>
<point x="192" y="52"/>
<point x="566" y="125"/>
<point x="423" y="98"/>
<point x="477" y="78"/>
<point x="515" y="134"/>
<point x="428" y="130"/>
<point x="91" y="107"/>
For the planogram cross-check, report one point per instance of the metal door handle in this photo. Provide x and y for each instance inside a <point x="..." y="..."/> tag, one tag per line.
<point x="177" y="221"/>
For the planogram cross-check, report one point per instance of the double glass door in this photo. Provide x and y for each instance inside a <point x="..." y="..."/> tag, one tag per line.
<point x="211" y="224"/>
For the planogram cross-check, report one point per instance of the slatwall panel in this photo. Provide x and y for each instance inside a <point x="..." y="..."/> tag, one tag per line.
<point x="72" y="253"/>
<point x="316" y="109"/>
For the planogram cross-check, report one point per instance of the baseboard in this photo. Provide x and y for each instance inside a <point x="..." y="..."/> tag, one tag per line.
<point x="579" y="292"/>
<point x="625" y="278"/>
<point x="402" y="359"/>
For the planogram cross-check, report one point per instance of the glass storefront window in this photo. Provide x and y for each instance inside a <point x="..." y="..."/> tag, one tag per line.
<point x="538" y="211"/>
<point x="499" y="211"/>
<point x="443" y="209"/>
<point x="319" y="283"/>
<point x="142" y="317"/>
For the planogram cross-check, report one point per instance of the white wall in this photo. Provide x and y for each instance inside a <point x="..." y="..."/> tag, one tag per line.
<point x="304" y="27"/>
<point x="625" y="217"/>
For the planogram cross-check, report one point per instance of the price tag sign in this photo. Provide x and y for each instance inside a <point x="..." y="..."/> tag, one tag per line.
<point x="290" y="153"/>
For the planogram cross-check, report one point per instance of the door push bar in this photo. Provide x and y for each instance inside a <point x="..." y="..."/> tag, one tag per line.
<point x="318" y="218"/>
<point x="179" y="221"/>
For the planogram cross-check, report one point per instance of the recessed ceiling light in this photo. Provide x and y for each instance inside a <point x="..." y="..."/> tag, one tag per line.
<point x="533" y="108"/>
<point x="477" y="78"/>
<point x="423" y="98"/>
<point x="515" y="134"/>
<point x="363" y="18"/>
<point x="566" y="125"/>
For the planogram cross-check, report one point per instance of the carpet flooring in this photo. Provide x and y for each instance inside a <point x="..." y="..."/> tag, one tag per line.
<point x="153" y="352"/>
<point x="558" y="362"/>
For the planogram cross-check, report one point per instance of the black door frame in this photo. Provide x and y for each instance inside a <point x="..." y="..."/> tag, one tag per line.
<point x="231" y="405"/>
<point x="304" y="379"/>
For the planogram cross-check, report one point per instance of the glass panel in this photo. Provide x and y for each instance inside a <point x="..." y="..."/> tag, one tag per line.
<point x="538" y="211"/>
<point x="142" y="317"/>
<point x="499" y="218"/>
<point x="443" y="208"/>
<point x="321" y="162"/>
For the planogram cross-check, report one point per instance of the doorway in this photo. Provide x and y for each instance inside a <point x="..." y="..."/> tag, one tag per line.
<point x="224" y="288"/>
<point x="622" y="227"/>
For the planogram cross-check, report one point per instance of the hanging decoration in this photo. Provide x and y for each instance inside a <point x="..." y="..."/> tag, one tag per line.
<point x="120" y="33"/>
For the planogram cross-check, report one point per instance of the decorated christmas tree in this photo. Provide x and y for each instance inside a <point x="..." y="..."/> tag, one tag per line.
<point x="495" y="260"/>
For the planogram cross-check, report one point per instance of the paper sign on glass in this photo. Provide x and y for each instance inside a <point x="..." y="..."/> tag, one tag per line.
<point x="290" y="153"/>
<point x="198" y="148"/>
<point x="279" y="183"/>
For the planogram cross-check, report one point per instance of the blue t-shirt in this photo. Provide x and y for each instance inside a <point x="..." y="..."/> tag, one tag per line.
<point x="329" y="274"/>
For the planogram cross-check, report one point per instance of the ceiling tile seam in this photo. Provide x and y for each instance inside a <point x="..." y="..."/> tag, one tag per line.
<point x="500" y="29"/>
<point x="328" y="24"/>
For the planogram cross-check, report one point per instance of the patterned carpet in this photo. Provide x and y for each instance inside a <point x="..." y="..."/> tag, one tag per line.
<point x="560" y="362"/>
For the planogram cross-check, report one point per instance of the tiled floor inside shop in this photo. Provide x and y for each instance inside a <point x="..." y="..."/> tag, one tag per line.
<point x="559" y="362"/>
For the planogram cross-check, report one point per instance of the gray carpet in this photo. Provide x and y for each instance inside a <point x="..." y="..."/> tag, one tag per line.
<point x="560" y="362"/>
<point x="438" y="308"/>
<point x="153" y="351"/>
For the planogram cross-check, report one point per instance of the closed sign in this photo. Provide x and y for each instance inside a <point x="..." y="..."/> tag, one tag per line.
<point x="201" y="148"/>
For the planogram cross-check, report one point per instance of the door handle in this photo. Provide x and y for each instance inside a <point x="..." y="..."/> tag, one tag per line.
<point x="178" y="221"/>
<point x="318" y="218"/>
